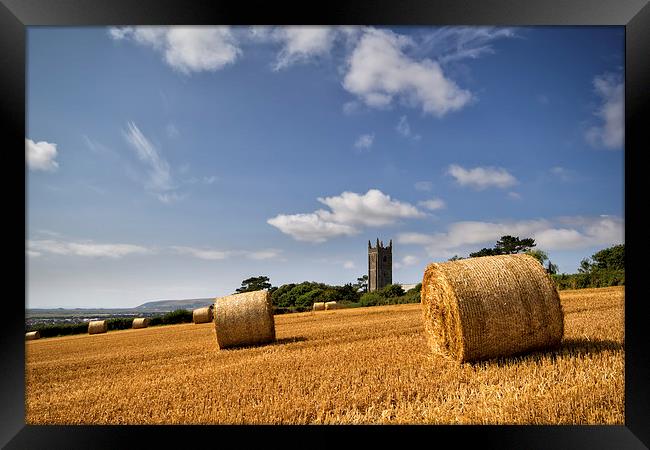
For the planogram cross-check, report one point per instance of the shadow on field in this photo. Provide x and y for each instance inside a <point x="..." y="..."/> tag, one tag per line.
<point x="290" y="340"/>
<point x="575" y="347"/>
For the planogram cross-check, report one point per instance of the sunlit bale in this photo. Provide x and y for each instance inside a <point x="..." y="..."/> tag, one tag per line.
<point x="318" y="306"/>
<point x="332" y="305"/>
<point x="479" y="308"/>
<point x="244" y="319"/>
<point x="97" y="326"/>
<point x="203" y="315"/>
<point x="32" y="335"/>
<point x="140" y="322"/>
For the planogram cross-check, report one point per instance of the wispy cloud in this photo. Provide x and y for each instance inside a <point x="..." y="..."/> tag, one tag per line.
<point x="364" y="141"/>
<point x="610" y="133"/>
<point x="432" y="204"/>
<point x="404" y="128"/>
<point x="449" y="44"/>
<point x="41" y="155"/>
<point x="159" y="179"/>
<point x="216" y="254"/>
<point x="425" y="186"/>
<point x="84" y="248"/>
<point x="482" y="177"/>
<point x="348" y="213"/>
<point x="186" y="49"/>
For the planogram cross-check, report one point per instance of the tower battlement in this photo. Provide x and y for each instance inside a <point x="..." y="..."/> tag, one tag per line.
<point x="380" y="265"/>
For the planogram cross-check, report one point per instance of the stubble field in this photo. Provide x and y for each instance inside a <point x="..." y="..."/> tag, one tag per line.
<point x="364" y="365"/>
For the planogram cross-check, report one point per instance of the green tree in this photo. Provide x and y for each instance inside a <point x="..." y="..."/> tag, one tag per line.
<point x="539" y="255"/>
<point x="362" y="284"/>
<point x="610" y="258"/>
<point x="254" y="284"/>
<point x="507" y="245"/>
<point x="455" y="258"/>
<point x="391" y="291"/>
<point x="585" y="266"/>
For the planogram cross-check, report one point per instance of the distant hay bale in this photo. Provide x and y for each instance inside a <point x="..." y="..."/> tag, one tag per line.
<point x="32" y="335"/>
<point x="203" y="315"/>
<point x="244" y="319"/>
<point x="490" y="306"/>
<point x="97" y="326"/>
<point x="331" y="305"/>
<point x="140" y="322"/>
<point x="318" y="306"/>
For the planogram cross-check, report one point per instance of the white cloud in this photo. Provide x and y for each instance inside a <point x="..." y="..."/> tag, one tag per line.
<point x="186" y="48"/>
<point x="348" y="213"/>
<point x="423" y="186"/>
<point x="310" y="227"/>
<point x="350" y="108"/>
<point x="467" y="236"/>
<point x="302" y="44"/>
<point x="159" y="179"/>
<point x="482" y="177"/>
<point x="365" y="141"/>
<point x="379" y="71"/>
<point x="611" y="133"/>
<point x="404" y="128"/>
<point x="202" y="253"/>
<point x="514" y="195"/>
<point x="432" y="204"/>
<point x="87" y="248"/>
<point x="563" y="173"/>
<point x="349" y="265"/>
<point x="41" y="155"/>
<point x="209" y="180"/>
<point x="270" y="253"/>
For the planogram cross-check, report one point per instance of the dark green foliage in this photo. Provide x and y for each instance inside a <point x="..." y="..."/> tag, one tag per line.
<point x="254" y="284"/>
<point x="120" y="323"/>
<point x="177" y="316"/>
<point x="507" y="245"/>
<point x="605" y="268"/>
<point x="612" y="258"/>
<point x="484" y="252"/>
<point x="456" y="258"/>
<point x="361" y="284"/>
<point x="49" y="330"/>
<point x="304" y="295"/>
<point x="392" y="294"/>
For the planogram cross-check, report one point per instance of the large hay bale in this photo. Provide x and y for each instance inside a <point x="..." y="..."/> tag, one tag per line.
<point x="97" y="326"/>
<point x="32" y="335"/>
<point x="203" y="315"/>
<point x="318" y="306"/>
<point x="140" y="322"/>
<point x="490" y="306"/>
<point x="331" y="305"/>
<point x="244" y="319"/>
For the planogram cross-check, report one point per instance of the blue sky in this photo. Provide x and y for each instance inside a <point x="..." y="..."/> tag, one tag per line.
<point x="176" y="162"/>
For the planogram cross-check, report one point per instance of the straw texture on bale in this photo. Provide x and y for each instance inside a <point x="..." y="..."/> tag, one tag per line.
<point x="318" y="306"/>
<point x="32" y="335"/>
<point x="203" y="315"/>
<point x="331" y="305"/>
<point x="244" y="319"/>
<point x="141" y="322"/>
<point x="97" y="326"/>
<point x="490" y="306"/>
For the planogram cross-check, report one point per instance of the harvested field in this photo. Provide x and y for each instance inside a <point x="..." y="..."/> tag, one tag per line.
<point x="359" y="365"/>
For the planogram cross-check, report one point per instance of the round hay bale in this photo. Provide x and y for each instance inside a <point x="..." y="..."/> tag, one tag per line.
<point x="490" y="306"/>
<point x="331" y="305"/>
<point x="318" y="306"/>
<point x="97" y="326"/>
<point x="140" y="322"/>
<point x="203" y="315"/>
<point x="244" y="319"/>
<point x="32" y="335"/>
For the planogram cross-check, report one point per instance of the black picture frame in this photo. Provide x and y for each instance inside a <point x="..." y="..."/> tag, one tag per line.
<point x="634" y="15"/>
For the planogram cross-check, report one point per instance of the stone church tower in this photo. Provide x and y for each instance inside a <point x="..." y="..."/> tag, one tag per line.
<point x="380" y="265"/>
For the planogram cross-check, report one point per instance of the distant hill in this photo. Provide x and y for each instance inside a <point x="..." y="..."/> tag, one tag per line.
<point x="170" y="305"/>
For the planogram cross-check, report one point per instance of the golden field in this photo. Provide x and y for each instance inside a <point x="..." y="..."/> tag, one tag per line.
<point x="352" y="366"/>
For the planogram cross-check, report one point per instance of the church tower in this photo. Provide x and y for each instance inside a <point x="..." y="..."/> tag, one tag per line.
<point x="380" y="265"/>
